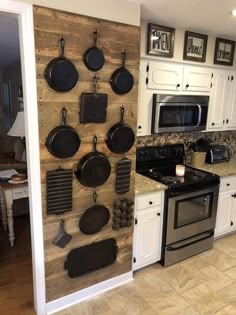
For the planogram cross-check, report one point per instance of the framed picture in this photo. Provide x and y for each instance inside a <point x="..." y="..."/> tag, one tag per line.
<point x="195" y="46"/>
<point x="224" y="52"/>
<point x="160" y="40"/>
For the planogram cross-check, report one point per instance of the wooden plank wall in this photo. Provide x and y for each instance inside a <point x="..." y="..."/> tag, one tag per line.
<point x="49" y="25"/>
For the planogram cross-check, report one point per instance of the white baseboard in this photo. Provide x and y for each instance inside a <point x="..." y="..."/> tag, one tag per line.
<point x="77" y="297"/>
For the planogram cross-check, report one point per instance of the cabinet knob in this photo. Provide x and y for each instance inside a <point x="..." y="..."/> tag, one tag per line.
<point x="223" y="122"/>
<point x="139" y="127"/>
<point x="213" y="124"/>
<point x="234" y="195"/>
<point x="232" y="77"/>
<point x="232" y="223"/>
<point x="187" y="85"/>
<point x="227" y="121"/>
<point x="150" y="202"/>
<point x="158" y="213"/>
<point x="178" y="85"/>
<point x="228" y="184"/>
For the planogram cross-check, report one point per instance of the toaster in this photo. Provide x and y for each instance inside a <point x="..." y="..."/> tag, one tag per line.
<point x="218" y="153"/>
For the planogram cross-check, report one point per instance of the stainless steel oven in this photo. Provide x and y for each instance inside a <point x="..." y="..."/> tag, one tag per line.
<point x="191" y="217"/>
<point x="178" y="113"/>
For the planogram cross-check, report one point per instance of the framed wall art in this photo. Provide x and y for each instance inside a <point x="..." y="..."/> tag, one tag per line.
<point x="195" y="46"/>
<point x="224" y="52"/>
<point x="160" y="40"/>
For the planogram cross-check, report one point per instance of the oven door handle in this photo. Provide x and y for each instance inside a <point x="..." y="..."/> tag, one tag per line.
<point x="199" y="115"/>
<point x="174" y="248"/>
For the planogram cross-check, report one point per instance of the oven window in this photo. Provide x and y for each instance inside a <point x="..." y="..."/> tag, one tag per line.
<point x="178" y="116"/>
<point x="193" y="209"/>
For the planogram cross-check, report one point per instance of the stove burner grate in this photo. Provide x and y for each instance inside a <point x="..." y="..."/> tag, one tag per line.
<point x="155" y="173"/>
<point x="171" y="179"/>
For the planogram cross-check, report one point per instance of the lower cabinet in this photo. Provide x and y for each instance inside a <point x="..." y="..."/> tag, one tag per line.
<point x="148" y="230"/>
<point x="226" y="212"/>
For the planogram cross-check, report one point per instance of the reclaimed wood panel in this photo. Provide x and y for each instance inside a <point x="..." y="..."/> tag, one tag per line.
<point x="113" y="37"/>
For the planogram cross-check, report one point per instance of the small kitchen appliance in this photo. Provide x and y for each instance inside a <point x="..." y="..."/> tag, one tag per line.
<point x="218" y="153"/>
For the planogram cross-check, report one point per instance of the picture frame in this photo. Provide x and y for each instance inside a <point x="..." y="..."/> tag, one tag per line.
<point x="160" y="40"/>
<point x="195" y="46"/>
<point x="224" y="52"/>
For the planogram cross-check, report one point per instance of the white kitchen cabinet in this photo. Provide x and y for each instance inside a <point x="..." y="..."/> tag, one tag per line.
<point x="222" y="105"/>
<point x="197" y="79"/>
<point x="148" y="229"/>
<point x="226" y="211"/>
<point x="162" y="76"/>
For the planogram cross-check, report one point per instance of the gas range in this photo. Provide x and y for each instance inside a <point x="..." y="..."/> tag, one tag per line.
<point x="159" y="163"/>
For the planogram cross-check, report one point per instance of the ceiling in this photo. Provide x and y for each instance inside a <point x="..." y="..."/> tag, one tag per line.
<point x="209" y="16"/>
<point x="9" y="40"/>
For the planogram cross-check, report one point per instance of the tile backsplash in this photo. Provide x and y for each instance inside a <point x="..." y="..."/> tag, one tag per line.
<point x="217" y="137"/>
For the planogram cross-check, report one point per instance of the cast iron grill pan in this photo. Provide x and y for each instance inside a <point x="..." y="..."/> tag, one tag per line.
<point x="95" y="256"/>
<point x="59" y="191"/>
<point x="93" y="108"/>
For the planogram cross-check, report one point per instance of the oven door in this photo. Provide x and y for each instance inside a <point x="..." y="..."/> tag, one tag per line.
<point x="174" y="117"/>
<point x="191" y="213"/>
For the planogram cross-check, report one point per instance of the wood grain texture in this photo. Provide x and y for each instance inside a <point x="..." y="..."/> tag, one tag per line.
<point x="113" y="37"/>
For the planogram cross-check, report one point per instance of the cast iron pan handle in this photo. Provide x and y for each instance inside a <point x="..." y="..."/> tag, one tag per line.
<point x="95" y="197"/>
<point x="123" y="58"/>
<point x="62" y="224"/>
<point x="62" y="46"/>
<point x="63" y="116"/>
<point x="95" y="38"/>
<point x="95" y="141"/>
<point x="122" y="112"/>
<point x="94" y="84"/>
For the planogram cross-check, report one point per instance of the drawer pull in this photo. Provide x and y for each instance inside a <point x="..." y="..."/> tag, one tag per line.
<point x="150" y="202"/>
<point x="158" y="213"/>
<point x="227" y="184"/>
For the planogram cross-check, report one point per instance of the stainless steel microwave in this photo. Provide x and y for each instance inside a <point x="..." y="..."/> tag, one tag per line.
<point x="178" y="113"/>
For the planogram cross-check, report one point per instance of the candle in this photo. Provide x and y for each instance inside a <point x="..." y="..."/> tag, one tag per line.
<point x="180" y="170"/>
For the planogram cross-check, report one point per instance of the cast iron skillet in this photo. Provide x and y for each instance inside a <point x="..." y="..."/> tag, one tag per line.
<point x="60" y="73"/>
<point x="94" y="168"/>
<point x="94" y="218"/>
<point x="63" y="141"/>
<point x="122" y="80"/>
<point x="120" y="137"/>
<point x="93" y="57"/>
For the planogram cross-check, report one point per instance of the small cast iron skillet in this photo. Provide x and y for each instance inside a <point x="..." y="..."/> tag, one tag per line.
<point x="120" y="137"/>
<point x="94" y="218"/>
<point x="122" y="80"/>
<point x="60" y="73"/>
<point x="93" y="57"/>
<point x="63" y="141"/>
<point x="94" y="168"/>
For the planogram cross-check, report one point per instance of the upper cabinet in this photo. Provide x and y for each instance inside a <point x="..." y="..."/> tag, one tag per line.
<point x="179" y="78"/>
<point x="197" y="79"/>
<point x="222" y="106"/>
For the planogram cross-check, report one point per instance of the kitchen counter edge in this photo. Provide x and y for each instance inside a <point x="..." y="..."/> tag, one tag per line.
<point x="144" y="185"/>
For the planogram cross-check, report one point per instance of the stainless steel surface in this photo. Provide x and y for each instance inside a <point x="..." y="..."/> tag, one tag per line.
<point x="218" y="154"/>
<point x="188" y="248"/>
<point x="160" y="101"/>
<point x="195" y="224"/>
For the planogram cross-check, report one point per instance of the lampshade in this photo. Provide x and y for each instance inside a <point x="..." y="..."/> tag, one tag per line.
<point x="18" y="128"/>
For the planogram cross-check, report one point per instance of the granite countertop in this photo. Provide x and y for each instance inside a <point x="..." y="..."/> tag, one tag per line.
<point x="221" y="169"/>
<point x="144" y="185"/>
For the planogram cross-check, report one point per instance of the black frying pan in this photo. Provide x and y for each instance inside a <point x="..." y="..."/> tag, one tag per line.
<point x="93" y="57"/>
<point x="122" y="80"/>
<point x="120" y="137"/>
<point x="60" y="73"/>
<point x="63" y="141"/>
<point x="94" y="218"/>
<point x="94" y="168"/>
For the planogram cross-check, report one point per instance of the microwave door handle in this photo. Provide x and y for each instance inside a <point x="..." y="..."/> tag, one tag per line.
<point x="199" y="114"/>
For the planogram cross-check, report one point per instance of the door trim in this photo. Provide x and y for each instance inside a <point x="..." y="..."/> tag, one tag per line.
<point x="27" y="49"/>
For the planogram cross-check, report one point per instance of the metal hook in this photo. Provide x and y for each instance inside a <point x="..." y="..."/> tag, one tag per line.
<point x="95" y="140"/>
<point x="122" y="112"/>
<point x="123" y="53"/>
<point x="95" y="37"/>
<point x="62" y="224"/>
<point x="94" y="84"/>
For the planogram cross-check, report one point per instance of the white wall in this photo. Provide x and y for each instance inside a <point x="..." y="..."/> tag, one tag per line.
<point x="121" y="11"/>
<point x="179" y="46"/>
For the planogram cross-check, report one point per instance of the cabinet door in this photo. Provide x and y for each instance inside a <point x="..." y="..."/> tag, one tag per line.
<point x="147" y="237"/>
<point x="225" y="213"/>
<point x="230" y="118"/>
<point x="197" y="79"/>
<point x="162" y="76"/>
<point x="219" y="99"/>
